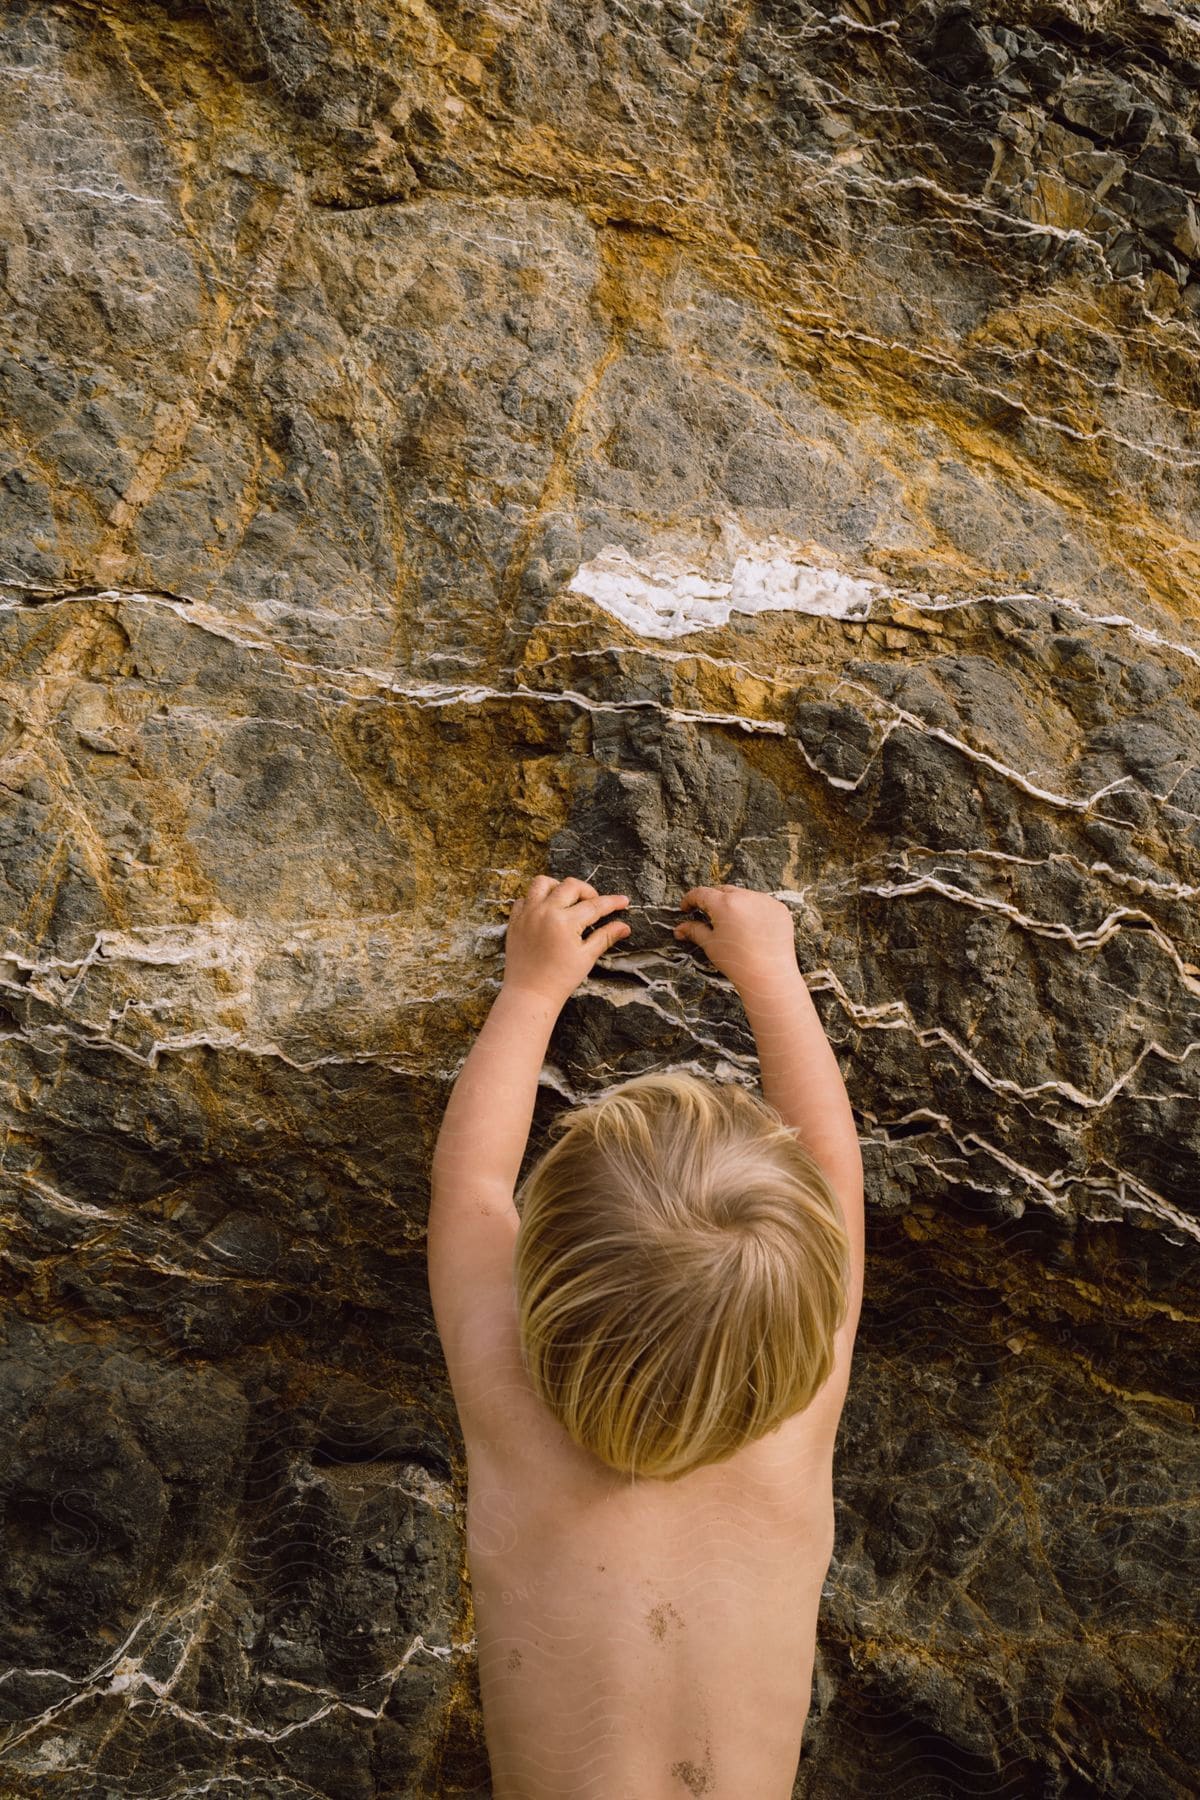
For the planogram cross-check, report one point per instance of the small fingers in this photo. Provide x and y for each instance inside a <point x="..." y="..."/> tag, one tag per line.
<point x="573" y="889"/>
<point x="701" y="897"/>
<point x="590" y="910"/>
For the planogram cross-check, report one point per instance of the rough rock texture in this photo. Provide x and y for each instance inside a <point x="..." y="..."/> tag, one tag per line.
<point x="344" y="345"/>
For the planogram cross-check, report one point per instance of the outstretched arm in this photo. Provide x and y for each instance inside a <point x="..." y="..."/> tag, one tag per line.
<point x="750" y="937"/>
<point x="473" y="1222"/>
<point x="486" y="1125"/>
<point x="802" y="1080"/>
<point x="546" y="956"/>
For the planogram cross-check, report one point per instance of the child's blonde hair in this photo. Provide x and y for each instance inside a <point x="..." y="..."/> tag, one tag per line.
<point x="681" y="1269"/>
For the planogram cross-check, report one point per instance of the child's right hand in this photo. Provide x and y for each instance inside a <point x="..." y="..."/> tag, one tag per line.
<point x="750" y="939"/>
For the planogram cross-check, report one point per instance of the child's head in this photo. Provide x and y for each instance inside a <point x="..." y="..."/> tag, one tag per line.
<point x="681" y="1269"/>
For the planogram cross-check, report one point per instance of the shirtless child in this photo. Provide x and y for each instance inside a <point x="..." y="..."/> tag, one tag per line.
<point x="649" y="1347"/>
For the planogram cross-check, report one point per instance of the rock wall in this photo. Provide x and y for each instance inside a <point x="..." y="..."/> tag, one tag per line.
<point x="660" y="442"/>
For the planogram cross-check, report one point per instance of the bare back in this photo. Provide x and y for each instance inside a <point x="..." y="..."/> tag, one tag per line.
<point x="646" y="1641"/>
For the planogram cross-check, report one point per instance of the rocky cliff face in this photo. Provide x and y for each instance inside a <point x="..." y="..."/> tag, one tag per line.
<point x="662" y="443"/>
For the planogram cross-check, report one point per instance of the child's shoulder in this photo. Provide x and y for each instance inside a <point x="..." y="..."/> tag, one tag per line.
<point x="524" y="1453"/>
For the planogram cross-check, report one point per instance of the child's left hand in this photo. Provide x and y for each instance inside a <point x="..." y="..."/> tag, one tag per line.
<point x="544" y="948"/>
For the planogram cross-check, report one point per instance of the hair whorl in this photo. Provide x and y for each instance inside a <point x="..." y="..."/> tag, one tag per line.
<point x="681" y="1269"/>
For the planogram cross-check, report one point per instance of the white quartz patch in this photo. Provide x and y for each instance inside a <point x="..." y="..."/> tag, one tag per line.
<point x="663" y="597"/>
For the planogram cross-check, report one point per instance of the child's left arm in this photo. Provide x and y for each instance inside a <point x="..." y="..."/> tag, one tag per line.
<point x="473" y="1222"/>
<point x="485" y="1128"/>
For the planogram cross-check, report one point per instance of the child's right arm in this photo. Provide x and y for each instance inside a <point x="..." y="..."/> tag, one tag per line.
<point x="751" y="940"/>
